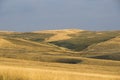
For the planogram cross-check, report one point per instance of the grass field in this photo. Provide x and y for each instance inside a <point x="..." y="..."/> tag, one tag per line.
<point x="13" y="69"/>
<point x="17" y="69"/>
<point x="46" y="55"/>
<point x="17" y="73"/>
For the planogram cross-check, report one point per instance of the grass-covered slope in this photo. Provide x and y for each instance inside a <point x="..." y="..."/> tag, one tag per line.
<point x="59" y="34"/>
<point x="88" y="69"/>
<point x="37" y="37"/>
<point x="25" y="49"/>
<point x="106" y="50"/>
<point x="111" y="46"/>
<point x="113" y="56"/>
<point x="68" y="42"/>
<point x="84" y="39"/>
<point x="49" y="56"/>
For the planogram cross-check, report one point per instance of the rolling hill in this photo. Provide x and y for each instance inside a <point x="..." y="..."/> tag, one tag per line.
<point x="67" y="42"/>
<point x="52" y="54"/>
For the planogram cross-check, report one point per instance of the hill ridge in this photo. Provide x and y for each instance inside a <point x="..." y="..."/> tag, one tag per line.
<point x="60" y="34"/>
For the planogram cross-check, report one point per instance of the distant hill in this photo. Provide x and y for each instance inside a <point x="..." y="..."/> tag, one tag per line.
<point x="67" y="42"/>
<point x="83" y="40"/>
<point x="70" y="54"/>
<point x="60" y="34"/>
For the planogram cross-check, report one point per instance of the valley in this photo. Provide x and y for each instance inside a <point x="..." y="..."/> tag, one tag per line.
<point x="69" y="54"/>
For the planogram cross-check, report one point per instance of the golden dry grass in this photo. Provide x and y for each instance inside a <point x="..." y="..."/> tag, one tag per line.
<point x="7" y="32"/>
<point x="18" y="73"/>
<point x="59" y="34"/>
<point x="111" y="45"/>
<point x="5" y="43"/>
<point x="52" y="68"/>
<point x="21" y="44"/>
<point x="13" y="69"/>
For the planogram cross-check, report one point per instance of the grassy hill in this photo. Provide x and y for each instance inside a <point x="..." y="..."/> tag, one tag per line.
<point x="82" y="40"/>
<point x="87" y="69"/>
<point x="60" y="55"/>
<point x="93" y="43"/>
<point x="111" y="46"/>
<point x="68" y="42"/>
<point x="24" y="49"/>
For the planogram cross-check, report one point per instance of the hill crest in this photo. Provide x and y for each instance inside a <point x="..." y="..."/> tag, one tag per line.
<point x="60" y="34"/>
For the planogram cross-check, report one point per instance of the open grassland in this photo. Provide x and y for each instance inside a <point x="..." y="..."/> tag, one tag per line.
<point x="59" y="34"/>
<point x="82" y="40"/>
<point x="15" y="69"/>
<point x="73" y="42"/>
<point x="17" y="73"/>
<point x="14" y="46"/>
<point x="60" y="55"/>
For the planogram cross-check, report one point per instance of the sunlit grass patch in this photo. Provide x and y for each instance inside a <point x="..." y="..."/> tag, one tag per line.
<point x="19" y="73"/>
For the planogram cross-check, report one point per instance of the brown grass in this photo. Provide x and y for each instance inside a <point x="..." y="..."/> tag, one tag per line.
<point x="60" y="34"/>
<point x="18" y="73"/>
<point x="13" y="69"/>
<point x="111" y="46"/>
<point x="5" y="43"/>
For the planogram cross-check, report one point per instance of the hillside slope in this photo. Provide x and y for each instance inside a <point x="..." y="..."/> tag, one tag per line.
<point x="25" y="49"/>
<point x="59" y="34"/>
<point x="60" y="55"/>
<point x="15" y="69"/>
<point x="67" y="42"/>
<point x="82" y="40"/>
<point x="111" y="46"/>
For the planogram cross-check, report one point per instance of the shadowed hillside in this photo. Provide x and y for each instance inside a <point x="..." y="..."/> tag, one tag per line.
<point x="60" y="55"/>
<point x="68" y="42"/>
<point x="84" y="39"/>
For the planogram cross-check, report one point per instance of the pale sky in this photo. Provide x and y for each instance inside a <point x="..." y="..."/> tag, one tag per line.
<point x="31" y="15"/>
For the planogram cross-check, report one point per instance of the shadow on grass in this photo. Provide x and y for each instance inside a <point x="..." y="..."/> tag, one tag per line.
<point x="69" y="61"/>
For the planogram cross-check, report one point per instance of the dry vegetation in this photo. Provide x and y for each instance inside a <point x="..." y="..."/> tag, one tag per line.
<point x="111" y="45"/>
<point x="60" y="55"/>
<point x="15" y="69"/>
<point x="18" y="73"/>
<point x="60" y="34"/>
